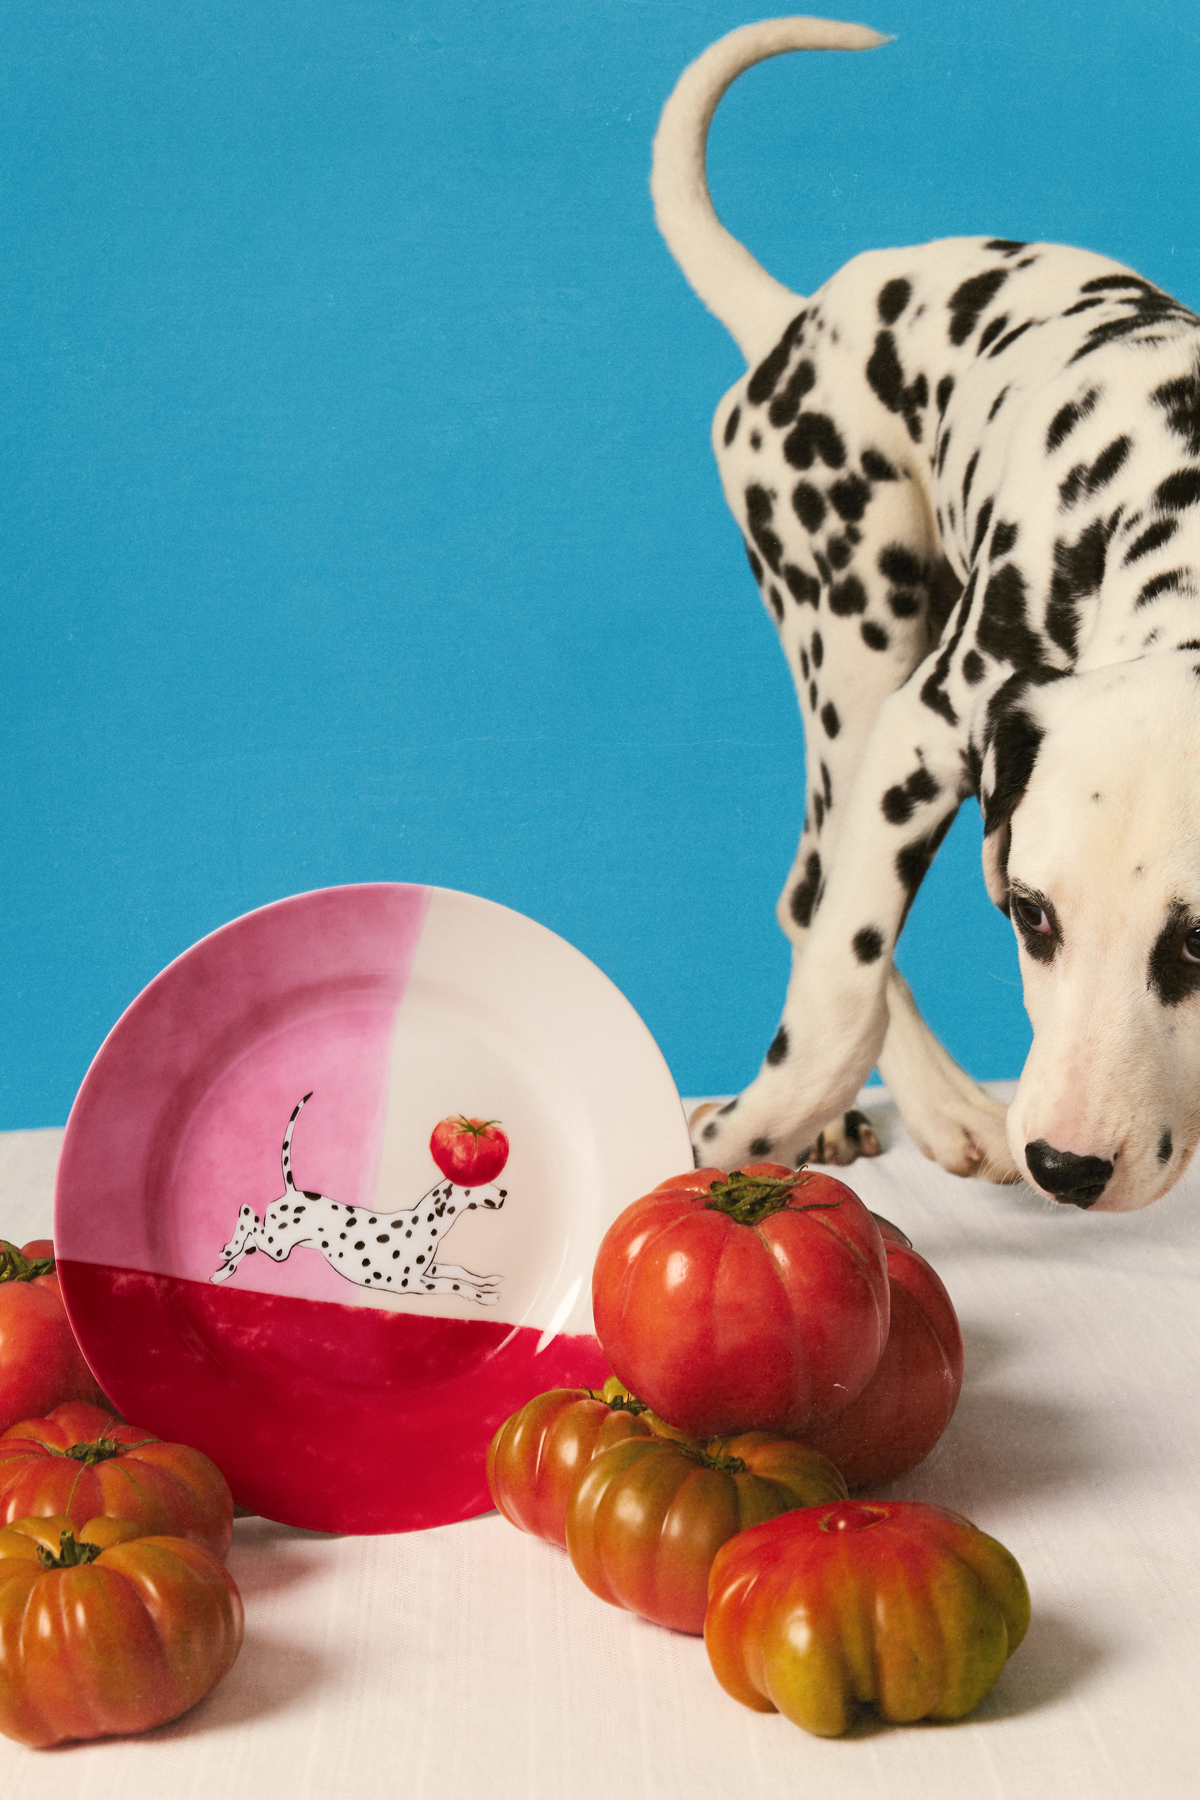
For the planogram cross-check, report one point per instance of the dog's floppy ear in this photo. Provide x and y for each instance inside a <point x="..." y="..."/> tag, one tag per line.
<point x="1013" y="737"/>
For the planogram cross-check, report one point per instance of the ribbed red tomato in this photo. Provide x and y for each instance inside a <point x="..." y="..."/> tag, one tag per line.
<point x="470" y="1152"/>
<point x="647" y="1516"/>
<point x="40" y="1363"/>
<point x="537" y="1455"/>
<point x="103" y="1631"/>
<point x="757" y="1300"/>
<point x="909" y="1609"/>
<point x="83" y="1463"/>
<point x="909" y="1401"/>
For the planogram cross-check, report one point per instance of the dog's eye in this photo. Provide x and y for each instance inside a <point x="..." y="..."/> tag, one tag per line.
<point x="1190" y="950"/>
<point x="1033" y="917"/>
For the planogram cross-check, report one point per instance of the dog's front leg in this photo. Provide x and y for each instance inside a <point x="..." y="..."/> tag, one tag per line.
<point x="907" y="790"/>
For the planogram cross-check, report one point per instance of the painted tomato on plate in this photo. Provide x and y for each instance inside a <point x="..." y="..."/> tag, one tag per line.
<point x="751" y="1301"/>
<point x="469" y="1152"/>
<point x="41" y="1365"/>
<point x="908" y="1402"/>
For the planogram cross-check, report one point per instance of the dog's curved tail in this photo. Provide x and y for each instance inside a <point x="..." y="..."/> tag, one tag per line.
<point x="752" y="305"/>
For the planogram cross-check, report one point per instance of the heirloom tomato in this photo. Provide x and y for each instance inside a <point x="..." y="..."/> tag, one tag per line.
<point x="906" y="1608"/>
<point x="469" y="1152"/>
<point x="646" y="1518"/>
<point x="104" y="1631"/>
<point x="908" y="1402"/>
<point x="40" y="1363"/>
<point x="537" y="1455"/>
<point x="757" y="1300"/>
<point x="82" y="1462"/>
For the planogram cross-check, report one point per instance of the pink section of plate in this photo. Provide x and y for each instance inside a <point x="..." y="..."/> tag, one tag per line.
<point x="179" y="1122"/>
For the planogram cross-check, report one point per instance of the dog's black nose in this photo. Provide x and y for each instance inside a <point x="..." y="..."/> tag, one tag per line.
<point x="1074" y="1180"/>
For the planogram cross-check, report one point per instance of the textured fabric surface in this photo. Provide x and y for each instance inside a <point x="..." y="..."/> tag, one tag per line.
<point x="470" y="1659"/>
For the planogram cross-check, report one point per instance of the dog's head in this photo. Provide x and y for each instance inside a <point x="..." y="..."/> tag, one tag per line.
<point x="1090" y="789"/>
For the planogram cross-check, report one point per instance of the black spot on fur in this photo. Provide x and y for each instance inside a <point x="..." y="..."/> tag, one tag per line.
<point x="839" y="550"/>
<point x="969" y="300"/>
<point x="1178" y="491"/>
<point x="1078" y="573"/>
<point x="830" y="720"/>
<point x="1004" y="631"/>
<point x="973" y="667"/>
<point x="1009" y="338"/>
<point x="894" y="296"/>
<point x="983" y="519"/>
<point x="818" y="649"/>
<point x="1085" y="481"/>
<point x="731" y="425"/>
<point x="1155" y="535"/>
<point x="819" y="810"/>
<point x="1003" y="540"/>
<point x="873" y="636"/>
<point x="886" y="378"/>
<point x="779" y="1047"/>
<point x="756" y="568"/>
<point x="759" y="508"/>
<point x="1165" y="1147"/>
<point x="900" y="802"/>
<point x="776" y="599"/>
<point x="805" y="589"/>
<point x="813" y="436"/>
<point x="1180" y="400"/>
<point x="1167" y="583"/>
<point x="808" y="504"/>
<point x="1009" y="246"/>
<point x="804" y="662"/>
<point x="945" y="388"/>
<point x="1067" y="418"/>
<point x="868" y="944"/>
<point x="943" y="447"/>
<point x="762" y="383"/>
<point x="760" y="1147"/>
<point x="804" y="894"/>
<point x="1016" y="738"/>
<point x="997" y="403"/>
<point x="912" y="862"/>
<point x="827" y="782"/>
<point x="968" y="477"/>
<point x="1172" y="979"/>
<point x="849" y="497"/>
<point x="847" y="597"/>
<point x="903" y="604"/>
<point x="991" y="332"/>
<point x="876" y="467"/>
<point x="786" y="405"/>
<point x="900" y="565"/>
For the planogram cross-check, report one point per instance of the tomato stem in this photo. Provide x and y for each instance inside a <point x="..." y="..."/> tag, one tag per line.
<point x="749" y="1199"/>
<point x="15" y="1267"/>
<point x="474" y="1128"/>
<point x="71" y="1553"/>
<point x="99" y="1450"/>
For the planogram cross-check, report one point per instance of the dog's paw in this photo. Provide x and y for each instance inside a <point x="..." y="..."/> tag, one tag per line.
<point x="843" y="1142"/>
<point x="966" y="1136"/>
<point x="850" y="1136"/>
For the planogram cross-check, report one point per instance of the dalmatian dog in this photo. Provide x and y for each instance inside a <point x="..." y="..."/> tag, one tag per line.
<point x="380" y="1250"/>
<point x="968" y="479"/>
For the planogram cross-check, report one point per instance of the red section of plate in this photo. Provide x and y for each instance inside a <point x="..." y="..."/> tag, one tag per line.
<point x="212" y="1361"/>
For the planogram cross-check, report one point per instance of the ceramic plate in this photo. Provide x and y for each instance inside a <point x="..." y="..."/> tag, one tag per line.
<point x="260" y="1254"/>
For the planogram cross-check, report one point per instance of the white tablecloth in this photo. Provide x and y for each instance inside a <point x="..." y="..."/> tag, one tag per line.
<point x="471" y="1660"/>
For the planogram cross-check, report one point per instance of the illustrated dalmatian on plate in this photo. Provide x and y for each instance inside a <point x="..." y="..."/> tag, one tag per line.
<point x="397" y="1249"/>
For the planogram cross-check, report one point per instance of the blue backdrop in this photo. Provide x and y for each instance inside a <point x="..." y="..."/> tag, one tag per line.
<point x="359" y="520"/>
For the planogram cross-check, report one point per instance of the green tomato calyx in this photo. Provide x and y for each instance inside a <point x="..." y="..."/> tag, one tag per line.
<point x="15" y="1267"/>
<point x="749" y="1199"/>
<point x="98" y="1450"/>
<point x="474" y="1128"/>
<point x="71" y="1553"/>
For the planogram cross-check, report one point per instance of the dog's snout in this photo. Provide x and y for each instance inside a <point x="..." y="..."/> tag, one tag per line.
<point x="1073" y="1180"/>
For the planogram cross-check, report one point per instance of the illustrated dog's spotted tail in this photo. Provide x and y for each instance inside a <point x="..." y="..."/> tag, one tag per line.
<point x="752" y="305"/>
<point x="286" y="1152"/>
